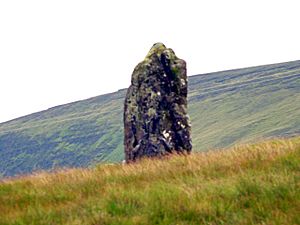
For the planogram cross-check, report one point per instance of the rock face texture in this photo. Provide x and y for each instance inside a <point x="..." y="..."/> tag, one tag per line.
<point x="155" y="112"/>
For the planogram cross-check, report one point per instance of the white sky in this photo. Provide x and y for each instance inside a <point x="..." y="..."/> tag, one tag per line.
<point x="59" y="51"/>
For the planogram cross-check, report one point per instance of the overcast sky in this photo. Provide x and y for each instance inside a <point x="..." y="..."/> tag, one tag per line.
<point x="59" y="51"/>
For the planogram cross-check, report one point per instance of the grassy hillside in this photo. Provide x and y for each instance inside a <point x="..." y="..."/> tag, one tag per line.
<point x="225" y="108"/>
<point x="250" y="184"/>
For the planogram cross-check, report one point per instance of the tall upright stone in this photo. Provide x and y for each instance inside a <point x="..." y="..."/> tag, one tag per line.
<point x="155" y="111"/>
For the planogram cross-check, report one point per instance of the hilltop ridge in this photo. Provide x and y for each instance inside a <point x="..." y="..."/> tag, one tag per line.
<point x="225" y="107"/>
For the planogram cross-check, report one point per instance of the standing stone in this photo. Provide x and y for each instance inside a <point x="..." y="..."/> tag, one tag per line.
<point x="155" y="112"/>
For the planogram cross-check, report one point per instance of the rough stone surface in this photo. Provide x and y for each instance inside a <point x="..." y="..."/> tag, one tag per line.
<point x="155" y="112"/>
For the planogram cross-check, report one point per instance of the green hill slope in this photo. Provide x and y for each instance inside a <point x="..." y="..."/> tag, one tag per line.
<point x="253" y="184"/>
<point x="225" y="108"/>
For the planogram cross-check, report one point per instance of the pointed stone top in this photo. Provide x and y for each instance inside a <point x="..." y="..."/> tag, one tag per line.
<point x="157" y="49"/>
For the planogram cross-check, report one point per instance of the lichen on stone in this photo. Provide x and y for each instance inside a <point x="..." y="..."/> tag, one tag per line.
<point x="155" y="111"/>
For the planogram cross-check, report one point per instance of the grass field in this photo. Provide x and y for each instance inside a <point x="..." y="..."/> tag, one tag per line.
<point x="248" y="184"/>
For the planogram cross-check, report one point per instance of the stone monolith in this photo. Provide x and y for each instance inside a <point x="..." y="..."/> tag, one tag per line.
<point x="155" y="112"/>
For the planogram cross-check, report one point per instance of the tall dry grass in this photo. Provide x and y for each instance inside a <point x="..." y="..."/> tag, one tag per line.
<point x="248" y="184"/>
